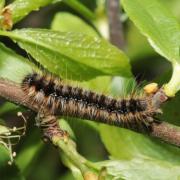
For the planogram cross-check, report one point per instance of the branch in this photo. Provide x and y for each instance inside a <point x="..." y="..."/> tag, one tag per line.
<point x="115" y="25"/>
<point x="164" y="131"/>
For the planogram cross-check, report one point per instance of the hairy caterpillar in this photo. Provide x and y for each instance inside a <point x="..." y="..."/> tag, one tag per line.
<point x="50" y="92"/>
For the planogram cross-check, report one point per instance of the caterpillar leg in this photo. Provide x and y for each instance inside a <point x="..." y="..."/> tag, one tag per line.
<point x="50" y="127"/>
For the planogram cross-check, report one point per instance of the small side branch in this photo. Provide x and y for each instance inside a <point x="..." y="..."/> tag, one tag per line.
<point x="164" y="131"/>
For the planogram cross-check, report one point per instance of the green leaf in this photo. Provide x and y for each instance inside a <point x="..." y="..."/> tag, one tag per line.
<point x="158" y="24"/>
<point x="72" y="55"/>
<point x="13" y="66"/>
<point x="21" y="8"/>
<point x="79" y="7"/>
<point x="67" y="22"/>
<point x="141" y="168"/>
<point x="174" y="6"/>
<point x="128" y="145"/>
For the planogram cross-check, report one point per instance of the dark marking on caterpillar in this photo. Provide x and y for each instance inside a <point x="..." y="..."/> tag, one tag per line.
<point x="51" y="93"/>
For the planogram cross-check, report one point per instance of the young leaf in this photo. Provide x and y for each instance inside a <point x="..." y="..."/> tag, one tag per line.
<point x="72" y="55"/>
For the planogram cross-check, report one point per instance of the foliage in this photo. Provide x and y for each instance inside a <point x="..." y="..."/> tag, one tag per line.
<point x="72" y="47"/>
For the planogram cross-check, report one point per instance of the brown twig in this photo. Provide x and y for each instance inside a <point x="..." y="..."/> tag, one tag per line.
<point x="164" y="131"/>
<point x="115" y="25"/>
